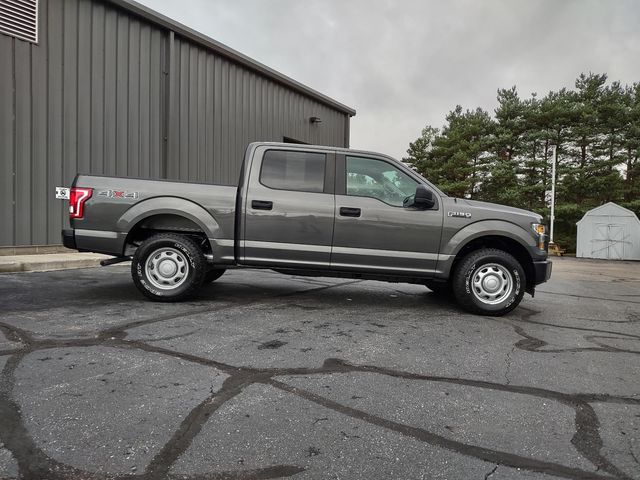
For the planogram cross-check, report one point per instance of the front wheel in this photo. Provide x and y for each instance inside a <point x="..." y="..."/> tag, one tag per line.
<point x="489" y="282"/>
<point x="168" y="267"/>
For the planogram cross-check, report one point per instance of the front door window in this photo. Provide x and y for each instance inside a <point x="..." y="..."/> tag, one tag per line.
<point x="368" y="177"/>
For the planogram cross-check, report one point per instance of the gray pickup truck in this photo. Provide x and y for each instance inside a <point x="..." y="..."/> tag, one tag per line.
<point x="311" y="210"/>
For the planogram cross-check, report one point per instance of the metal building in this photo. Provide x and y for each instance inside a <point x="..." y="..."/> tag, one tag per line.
<point x="111" y="87"/>
<point x="609" y="231"/>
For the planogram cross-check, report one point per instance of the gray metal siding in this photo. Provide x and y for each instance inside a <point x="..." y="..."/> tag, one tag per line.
<point x="107" y="92"/>
<point x="221" y="107"/>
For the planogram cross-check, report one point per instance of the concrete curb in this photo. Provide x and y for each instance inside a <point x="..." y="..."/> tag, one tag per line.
<point x="34" y="250"/>
<point x="48" y="262"/>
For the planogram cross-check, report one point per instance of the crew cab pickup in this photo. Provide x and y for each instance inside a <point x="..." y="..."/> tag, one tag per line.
<point x="312" y="210"/>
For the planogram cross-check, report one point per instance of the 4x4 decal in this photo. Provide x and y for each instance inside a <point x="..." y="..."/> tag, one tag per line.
<point x="118" y="194"/>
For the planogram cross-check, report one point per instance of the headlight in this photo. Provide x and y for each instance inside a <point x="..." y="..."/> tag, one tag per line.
<point x="541" y="232"/>
<point x="539" y="228"/>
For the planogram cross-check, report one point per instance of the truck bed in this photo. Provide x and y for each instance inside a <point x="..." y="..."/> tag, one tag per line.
<point x="117" y="206"/>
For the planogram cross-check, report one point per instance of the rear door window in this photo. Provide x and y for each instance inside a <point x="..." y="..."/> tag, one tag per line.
<point x="289" y="170"/>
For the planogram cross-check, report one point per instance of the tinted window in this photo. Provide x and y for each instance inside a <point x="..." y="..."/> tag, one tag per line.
<point x="286" y="170"/>
<point x="368" y="177"/>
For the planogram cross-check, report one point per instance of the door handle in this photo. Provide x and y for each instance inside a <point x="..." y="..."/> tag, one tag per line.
<point x="261" y="205"/>
<point x="349" y="212"/>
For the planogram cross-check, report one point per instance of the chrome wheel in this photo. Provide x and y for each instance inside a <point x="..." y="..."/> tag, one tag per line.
<point x="167" y="268"/>
<point x="492" y="283"/>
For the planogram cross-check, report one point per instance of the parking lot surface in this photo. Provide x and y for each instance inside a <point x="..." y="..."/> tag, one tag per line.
<point x="269" y="376"/>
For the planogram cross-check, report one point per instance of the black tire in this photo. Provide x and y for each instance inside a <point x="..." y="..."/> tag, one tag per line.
<point x="187" y="258"/>
<point x="213" y="274"/>
<point x="440" y="288"/>
<point x="499" y="269"/>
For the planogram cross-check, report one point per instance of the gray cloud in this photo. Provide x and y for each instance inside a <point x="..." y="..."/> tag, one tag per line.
<point x="405" y="64"/>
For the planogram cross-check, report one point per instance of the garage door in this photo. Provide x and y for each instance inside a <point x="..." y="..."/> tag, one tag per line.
<point x="608" y="242"/>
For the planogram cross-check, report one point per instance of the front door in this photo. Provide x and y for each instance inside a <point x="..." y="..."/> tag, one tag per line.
<point x="373" y="232"/>
<point x="289" y="208"/>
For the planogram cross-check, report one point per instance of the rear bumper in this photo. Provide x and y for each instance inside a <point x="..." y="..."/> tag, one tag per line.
<point x="542" y="271"/>
<point x="98" y="241"/>
<point x="69" y="239"/>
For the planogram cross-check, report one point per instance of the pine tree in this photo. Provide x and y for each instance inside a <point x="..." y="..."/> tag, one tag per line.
<point x="631" y="146"/>
<point x="501" y="163"/>
<point x="452" y="159"/>
<point x="535" y="162"/>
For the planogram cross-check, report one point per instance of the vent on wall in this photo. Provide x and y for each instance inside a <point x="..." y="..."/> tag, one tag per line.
<point x="19" y="18"/>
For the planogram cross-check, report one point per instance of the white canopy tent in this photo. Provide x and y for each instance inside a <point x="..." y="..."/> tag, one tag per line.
<point x="609" y="231"/>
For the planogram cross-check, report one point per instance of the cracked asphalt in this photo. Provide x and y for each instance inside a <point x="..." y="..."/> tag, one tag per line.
<point x="269" y="376"/>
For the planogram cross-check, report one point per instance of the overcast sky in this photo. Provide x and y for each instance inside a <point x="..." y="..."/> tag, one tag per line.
<point x="404" y="64"/>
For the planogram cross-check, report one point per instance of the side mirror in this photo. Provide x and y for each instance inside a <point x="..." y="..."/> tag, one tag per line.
<point x="423" y="198"/>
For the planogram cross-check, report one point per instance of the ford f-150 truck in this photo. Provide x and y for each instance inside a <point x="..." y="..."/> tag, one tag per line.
<point x="311" y="210"/>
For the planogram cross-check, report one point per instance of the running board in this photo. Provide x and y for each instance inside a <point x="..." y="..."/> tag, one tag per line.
<point x="114" y="260"/>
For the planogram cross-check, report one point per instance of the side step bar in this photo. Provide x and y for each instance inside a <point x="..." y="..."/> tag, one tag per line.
<point x="114" y="260"/>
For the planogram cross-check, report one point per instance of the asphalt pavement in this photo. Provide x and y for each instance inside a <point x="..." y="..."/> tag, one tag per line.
<point x="271" y="376"/>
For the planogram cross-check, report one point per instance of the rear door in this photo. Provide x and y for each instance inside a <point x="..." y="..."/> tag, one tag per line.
<point x="373" y="232"/>
<point x="289" y="208"/>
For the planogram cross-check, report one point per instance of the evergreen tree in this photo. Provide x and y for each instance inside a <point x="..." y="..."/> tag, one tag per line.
<point x="501" y="182"/>
<point x="533" y="168"/>
<point x="631" y="146"/>
<point x="453" y="158"/>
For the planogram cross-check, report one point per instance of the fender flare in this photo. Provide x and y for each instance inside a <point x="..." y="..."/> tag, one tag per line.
<point x="473" y="231"/>
<point x="488" y="228"/>
<point x="169" y="205"/>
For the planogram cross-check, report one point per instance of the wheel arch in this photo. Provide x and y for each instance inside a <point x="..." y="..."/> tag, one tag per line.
<point x="491" y="234"/>
<point x="507" y="244"/>
<point x="167" y="214"/>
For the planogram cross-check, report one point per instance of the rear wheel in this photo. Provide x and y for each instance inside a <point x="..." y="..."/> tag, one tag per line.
<point x="489" y="282"/>
<point x="168" y="267"/>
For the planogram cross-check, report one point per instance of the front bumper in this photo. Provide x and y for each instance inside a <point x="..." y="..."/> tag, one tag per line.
<point x="69" y="239"/>
<point x="542" y="271"/>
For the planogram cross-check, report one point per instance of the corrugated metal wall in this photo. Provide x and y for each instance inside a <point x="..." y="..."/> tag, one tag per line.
<point x="217" y="108"/>
<point x="106" y="93"/>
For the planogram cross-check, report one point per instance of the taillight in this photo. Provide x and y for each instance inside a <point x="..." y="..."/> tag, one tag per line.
<point x="77" y="197"/>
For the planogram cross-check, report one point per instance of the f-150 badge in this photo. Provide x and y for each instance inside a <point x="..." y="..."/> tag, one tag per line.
<point x="118" y="194"/>
<point x="459" y="214"/>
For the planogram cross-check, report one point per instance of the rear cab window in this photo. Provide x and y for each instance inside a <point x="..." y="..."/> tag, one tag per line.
<point x="291" y="170"/>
